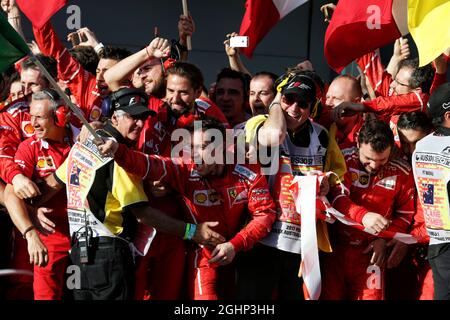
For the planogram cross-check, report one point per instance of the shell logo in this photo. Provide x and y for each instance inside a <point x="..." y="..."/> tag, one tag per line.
<point x="45" y="163"/>
<point x="41" y="163"/>
<point x="95" y="113"/>
<point x="201" y="197"/>
<point x="354" y="176"/>
<point x="27" y="128"/>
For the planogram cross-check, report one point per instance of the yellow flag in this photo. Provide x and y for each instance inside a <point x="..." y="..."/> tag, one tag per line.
<point x="428" y="23"/>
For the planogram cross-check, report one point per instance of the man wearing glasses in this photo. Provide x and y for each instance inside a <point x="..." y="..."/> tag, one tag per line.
<point x="304" y="146"/>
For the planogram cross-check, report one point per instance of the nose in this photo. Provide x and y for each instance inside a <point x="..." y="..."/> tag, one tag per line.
<point x="374" y="165"/>
<point x="33" y="121"/>
<point x="140" y="123"/>
<point x="26" y="89"/>
<point x="330" y="102"/>
<point x="100" y="75"/>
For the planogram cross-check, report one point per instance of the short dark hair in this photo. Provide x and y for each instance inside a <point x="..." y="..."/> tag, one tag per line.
<point x="420" y="77"/>
<point x="378" y="134"/>
<point x="87" y="57"/>
<point x="114" y="53"/>
<point x="188" y="71"/>
<point x="206" y="124"/>
<point x="233" y="74"/>
<point x="271" y="75"/>
<point x="416" y="120"/>
<point x="48" y="62"/>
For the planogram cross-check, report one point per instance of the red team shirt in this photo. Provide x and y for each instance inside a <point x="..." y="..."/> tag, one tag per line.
<point x="37" y="159"/>
<point x="390" y="193"/>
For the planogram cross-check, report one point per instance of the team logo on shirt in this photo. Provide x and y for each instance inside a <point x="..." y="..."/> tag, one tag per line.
<point x="388" y="183"/>
<point x="260" y="195"/>
<point x="96" y="112"/>
<point x="27" y="128"/>
<point x="237" y="195"/>
<point x="360" y="179"/>
<point x="45" y="163"/>
<point x="207" y="198"/>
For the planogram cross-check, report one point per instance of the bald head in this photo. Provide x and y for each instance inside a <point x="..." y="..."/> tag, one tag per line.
<point x="343" y="88"/>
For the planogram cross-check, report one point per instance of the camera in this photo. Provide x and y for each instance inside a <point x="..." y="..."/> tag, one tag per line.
<point x="239" y="42"/>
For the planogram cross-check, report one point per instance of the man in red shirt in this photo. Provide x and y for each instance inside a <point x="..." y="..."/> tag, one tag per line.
<point x="345" y="130"/>
<point x="38" y="157"/>
<point x="211" y="189"/>
<point x="161" y="271"/>
<point x="378" y="192"/>
<point x="90" y="91"/>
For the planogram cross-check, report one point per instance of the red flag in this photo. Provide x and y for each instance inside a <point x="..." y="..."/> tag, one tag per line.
<point x="359" y="27"/>
<point x="39" y="11"/>
<point x="261" y="16"/>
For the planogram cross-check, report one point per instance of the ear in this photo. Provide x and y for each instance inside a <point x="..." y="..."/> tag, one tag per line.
<point x="447" y="116"/>
<point x="114" y="120"/>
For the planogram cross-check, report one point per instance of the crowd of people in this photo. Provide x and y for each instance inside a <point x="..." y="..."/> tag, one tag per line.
<point x="161" y="204"/>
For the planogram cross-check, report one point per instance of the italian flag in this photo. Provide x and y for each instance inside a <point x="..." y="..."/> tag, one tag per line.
<point x="39" y="11"/>
<point x="13" y="48"/>
<point x="261" y="16"/>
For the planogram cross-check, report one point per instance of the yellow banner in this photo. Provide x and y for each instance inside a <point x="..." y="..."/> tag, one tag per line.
<point x="428" y="23"/>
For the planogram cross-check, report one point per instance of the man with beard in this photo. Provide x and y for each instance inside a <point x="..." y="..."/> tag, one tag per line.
<point x="378" y="192"/>
<point x="90" y="91"/>
<point x="161" y="271"/>
<point x="231" y="193"/>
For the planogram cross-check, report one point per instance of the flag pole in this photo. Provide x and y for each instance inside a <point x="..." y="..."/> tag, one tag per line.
<point x="66" y="99"/>
<point x="308" y="43"/>
<point x="186" y="13"/>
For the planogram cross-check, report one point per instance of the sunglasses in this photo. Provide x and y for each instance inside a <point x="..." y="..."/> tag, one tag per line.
<point x="292" y="98"/>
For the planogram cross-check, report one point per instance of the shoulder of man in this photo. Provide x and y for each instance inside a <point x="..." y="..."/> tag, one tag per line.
<point x="253" y="125"/>
<point x="399" y="166"/>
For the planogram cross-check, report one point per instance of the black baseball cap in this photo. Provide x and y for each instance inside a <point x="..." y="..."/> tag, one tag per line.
<point x="132" y="101"/>
<point x="303" y="86"/>
<point x="439" y="102"/>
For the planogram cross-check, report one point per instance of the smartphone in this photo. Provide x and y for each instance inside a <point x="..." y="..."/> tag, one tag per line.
<point x="75" y="38"/>
<point x="239" y="42"/>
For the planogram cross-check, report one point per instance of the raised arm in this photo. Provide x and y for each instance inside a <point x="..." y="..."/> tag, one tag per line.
<point x="157" y="49"/>
<point x="401" y="52"/>
<point x="186" y="27"/>
<point x="14" y="18"/>
<point x="273" y="131"/>
<point x="234" y="58"/>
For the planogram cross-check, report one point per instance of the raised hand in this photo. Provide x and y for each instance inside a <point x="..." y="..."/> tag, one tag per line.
<point x="230" y="51"/>
<point x="158" y="48"/>
<point x="186" y="27"/>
